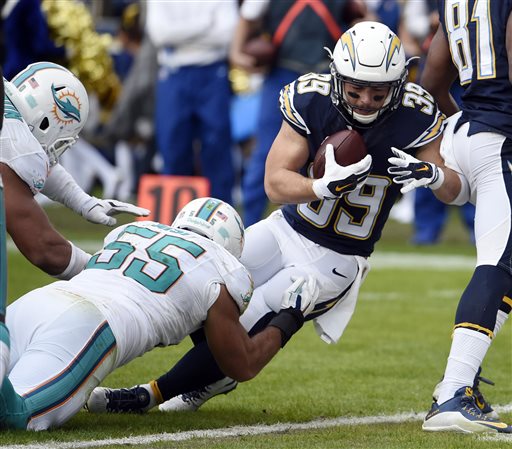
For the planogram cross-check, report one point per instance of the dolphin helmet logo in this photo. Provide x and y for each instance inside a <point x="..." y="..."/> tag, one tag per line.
<point x="66" y="107"/>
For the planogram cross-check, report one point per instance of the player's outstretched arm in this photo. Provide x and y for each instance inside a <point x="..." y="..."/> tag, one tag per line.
<point x="60" y="186"/>
<point x="242" y="357"/>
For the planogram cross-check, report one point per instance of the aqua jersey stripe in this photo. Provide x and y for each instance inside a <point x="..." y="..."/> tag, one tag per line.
<point x="208" y="209"/>
<point x="59" y="389"/>
<point x="19" y="79"/>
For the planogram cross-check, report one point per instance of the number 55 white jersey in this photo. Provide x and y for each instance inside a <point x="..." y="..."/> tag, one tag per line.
<point x="155" y="284"/>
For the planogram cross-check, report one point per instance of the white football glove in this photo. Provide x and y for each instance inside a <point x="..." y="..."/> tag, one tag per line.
<point x="301" y="295"/>
<point x="100" y="211"/>
<point x="337" y="179"/>
<point x="413" y="173"/>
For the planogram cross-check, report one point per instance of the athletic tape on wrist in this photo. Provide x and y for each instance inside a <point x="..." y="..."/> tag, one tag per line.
<point x="439" y="180"/>
<point x="288" y="321"/>
<point x="77" y="262"/>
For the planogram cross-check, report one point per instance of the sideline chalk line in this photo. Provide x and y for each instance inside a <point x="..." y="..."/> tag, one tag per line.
<point x="250" y="431"/>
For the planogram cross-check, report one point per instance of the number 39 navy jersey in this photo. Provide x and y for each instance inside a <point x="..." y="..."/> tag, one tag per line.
<point x="353" y="223"/>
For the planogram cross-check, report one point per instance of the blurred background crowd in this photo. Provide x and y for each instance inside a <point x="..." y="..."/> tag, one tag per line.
<point x="191" y="88"/>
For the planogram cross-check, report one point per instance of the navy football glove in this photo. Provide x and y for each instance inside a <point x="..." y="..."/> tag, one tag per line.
<point x="413" y="173"/>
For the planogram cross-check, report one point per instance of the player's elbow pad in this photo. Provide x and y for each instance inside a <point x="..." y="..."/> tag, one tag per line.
<point x="464" y="194"/>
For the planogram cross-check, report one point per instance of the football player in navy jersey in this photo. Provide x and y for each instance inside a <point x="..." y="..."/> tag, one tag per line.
<point x="474" y="42"/>
<point x="328" y="227"/>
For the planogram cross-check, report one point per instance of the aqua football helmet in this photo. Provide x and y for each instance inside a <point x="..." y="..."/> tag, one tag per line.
<point x="53" y="102"/>
<point x="216" y="220"/>
<point x="368" y="54"/>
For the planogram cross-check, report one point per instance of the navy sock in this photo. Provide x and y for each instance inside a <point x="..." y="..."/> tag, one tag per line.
<point x="483" y="296"/>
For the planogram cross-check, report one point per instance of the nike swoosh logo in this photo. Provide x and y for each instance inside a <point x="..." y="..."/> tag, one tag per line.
<point x="338" y="273"/>
<point x="509" y="165"/>
<point x="339" y="188"/>
<point x="424" y="168"/>
<point x="493" y="425"/>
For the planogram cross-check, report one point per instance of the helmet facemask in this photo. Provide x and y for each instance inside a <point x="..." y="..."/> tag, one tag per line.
<point x="57" y="148"/>
<point x="342" y="103"/>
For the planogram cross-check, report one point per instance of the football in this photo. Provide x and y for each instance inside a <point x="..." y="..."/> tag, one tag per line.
<point x="261" y="49"/>
<point x="349" y="148"/>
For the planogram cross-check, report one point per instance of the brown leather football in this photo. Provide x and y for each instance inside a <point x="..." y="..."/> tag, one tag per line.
<point x="349" y="148"/>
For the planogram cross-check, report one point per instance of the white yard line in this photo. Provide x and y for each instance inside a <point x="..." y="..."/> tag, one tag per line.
<point x="248" y="431"/>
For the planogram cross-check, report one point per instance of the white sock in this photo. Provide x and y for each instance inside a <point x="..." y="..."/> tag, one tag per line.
<point x="466" y="355"/>
<point x="152" y="398"/>
<point x="501" y="317"/>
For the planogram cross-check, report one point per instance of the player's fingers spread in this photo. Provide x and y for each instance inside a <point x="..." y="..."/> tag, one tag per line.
<point x="313" y="287"/>
<point x="297" y="283"/>
<point x="329" y="154"/>
<point x="364" y="165"/>
<point x="407" y="188"/>
<point x="398" y="153"/>
<point x="398" y="171"/>
<point x="398" y="162"/>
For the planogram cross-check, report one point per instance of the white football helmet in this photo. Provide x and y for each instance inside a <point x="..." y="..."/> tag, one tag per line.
<point x="53" y="102"/>
<point x="214" y="219"/>
<point x="368" y="54"/>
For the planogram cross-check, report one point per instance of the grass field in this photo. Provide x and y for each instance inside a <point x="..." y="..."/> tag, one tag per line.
<point x="369" y="391"/>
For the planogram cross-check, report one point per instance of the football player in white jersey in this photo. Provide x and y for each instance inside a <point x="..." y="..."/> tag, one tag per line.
<point x="150" y="285"/>
<point x="45" y="108"/>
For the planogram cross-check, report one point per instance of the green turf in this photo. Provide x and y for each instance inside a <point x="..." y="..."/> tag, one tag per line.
<point x="388" y="361"/>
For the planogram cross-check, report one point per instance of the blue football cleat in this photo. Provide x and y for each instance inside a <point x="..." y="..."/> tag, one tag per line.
<point x="461" y="414"/>
<point x="480" y="400"/>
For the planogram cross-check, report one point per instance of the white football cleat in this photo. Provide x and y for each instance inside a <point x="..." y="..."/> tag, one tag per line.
<point x="190" y="402"/>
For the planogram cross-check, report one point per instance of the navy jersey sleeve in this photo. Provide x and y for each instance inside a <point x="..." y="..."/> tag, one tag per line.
<point x="291" y="105"/>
